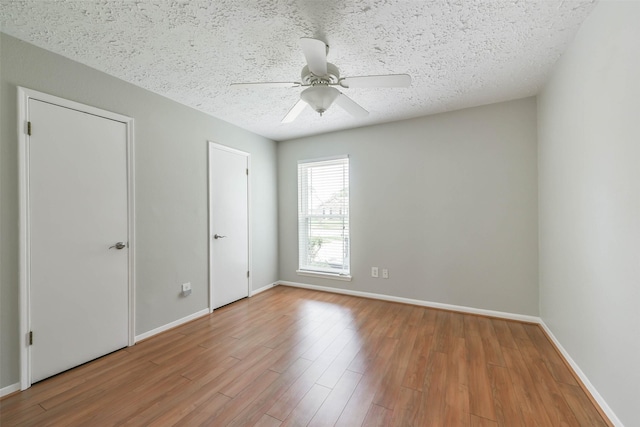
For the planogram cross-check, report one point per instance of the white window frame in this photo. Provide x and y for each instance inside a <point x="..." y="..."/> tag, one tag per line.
<point x="303" y="217"/>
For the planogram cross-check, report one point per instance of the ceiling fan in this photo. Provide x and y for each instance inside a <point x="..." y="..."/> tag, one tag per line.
<point x="319" y="77"/>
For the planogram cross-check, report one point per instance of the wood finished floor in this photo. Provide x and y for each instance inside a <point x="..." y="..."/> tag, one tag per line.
<point x="294" y="357"/>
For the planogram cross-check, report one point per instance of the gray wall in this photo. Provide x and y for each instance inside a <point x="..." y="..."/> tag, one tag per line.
<point x="589" y="167"/>
<point x="448" y="203"/>
<point x="171" y="189"/>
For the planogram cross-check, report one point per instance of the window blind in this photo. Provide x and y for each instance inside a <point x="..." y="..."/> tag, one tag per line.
<point x="323" y="216"/>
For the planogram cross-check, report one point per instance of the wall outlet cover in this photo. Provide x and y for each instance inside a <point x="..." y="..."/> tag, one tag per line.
<point x="186" y="289"/>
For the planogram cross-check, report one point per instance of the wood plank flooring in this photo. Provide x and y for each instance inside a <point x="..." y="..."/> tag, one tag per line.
<point x="294" y="357"/>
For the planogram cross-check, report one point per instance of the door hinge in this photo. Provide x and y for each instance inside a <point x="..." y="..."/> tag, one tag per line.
<point x="29" y="128"/>
<point x="30" y="337"/>
<point x="247" y="274"/>
<point x="247" y="171"/>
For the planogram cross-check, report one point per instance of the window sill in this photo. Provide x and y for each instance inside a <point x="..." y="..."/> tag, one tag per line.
<point x="332" y="276"/>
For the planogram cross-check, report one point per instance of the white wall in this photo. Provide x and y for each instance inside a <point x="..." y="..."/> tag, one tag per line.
<point x="589" y="168"/>
<point x="448" y="203"/>
<point x="171" y="189"/>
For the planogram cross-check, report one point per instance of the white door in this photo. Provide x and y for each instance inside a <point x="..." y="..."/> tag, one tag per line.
<point x="229" y="224"/>
<point x="76" y="214"/>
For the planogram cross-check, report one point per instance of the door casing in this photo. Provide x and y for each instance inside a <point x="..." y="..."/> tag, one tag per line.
<point x="24" y="95"/>
<point x="211" y="146"/>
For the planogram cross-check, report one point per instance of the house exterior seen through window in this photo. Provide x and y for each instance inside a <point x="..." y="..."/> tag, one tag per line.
<point x="323" y="216"/>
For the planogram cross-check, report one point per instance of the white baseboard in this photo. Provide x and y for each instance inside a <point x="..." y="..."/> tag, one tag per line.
<point x="9" y="389"/>
<point x="264" y="288"/>
<point x="171" y="325"/>
<point x="460" y="308"/>
<point x="592" y="390"/>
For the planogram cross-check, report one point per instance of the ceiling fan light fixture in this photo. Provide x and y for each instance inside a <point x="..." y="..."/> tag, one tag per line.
<point x="319" y="97"/>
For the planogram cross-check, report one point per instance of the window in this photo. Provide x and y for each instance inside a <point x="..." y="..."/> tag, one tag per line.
<point x="323" y="217"/>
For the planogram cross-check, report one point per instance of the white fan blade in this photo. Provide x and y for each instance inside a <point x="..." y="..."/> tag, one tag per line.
<point x="350" y="106"/>
<point x="294" y="111"/>
<point x="316" y="53"/>
<point x="266" y="84"/>
<point x="389" y="80"/>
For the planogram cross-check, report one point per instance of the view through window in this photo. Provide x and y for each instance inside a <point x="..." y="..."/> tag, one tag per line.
<point x="323" y="216"/>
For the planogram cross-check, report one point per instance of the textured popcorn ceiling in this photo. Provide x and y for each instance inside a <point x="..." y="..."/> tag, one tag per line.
<point x="460" y="53"/>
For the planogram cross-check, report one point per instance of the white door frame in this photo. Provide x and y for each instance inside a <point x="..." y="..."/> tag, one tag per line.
<point x="211" y="146"/>
<point x="24" y="95"/>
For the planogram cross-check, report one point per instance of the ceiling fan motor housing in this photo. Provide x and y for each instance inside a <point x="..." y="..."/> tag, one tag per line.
<point x="331" y="78"/>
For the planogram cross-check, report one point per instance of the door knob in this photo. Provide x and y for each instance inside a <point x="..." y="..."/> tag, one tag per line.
<point x="217" y="236"/>
<point x="119" y="245"/>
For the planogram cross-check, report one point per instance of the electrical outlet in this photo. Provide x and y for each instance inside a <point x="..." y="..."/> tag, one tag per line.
<point x="374" y="271"/>
<point x="186" y="289"/>
<point x="385" y="273"/>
